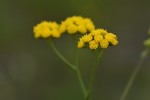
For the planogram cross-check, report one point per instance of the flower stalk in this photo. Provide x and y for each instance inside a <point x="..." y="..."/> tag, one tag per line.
<point x="134" y="74"/>
<point x="98" y="55"/>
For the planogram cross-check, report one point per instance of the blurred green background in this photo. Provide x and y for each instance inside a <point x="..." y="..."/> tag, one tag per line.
<point x="29" y="69"/>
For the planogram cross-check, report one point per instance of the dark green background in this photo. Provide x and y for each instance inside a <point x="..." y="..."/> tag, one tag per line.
<point x="29" y="69"/>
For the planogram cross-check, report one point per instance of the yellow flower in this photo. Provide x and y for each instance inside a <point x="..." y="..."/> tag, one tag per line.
<point x="82" y="29"/>
<point x="113" y="35"/>
<point x="95" y="32"/>
<point x="89" y="24"/>
<point x="62" y="28"/>
<point x="103" y="32"/>
<point x="114" y="42"/>
<point x="104" y="43"/>
<point x="93" y="45"/>
<point x="72" y="29"/>
<point x="55" y="33"/>
<point x="76" y="24"/>
<point x="111" y="38"/>
<point x="87" y="38"/>
<point x="81" y="44"/>
<point x="98" y="37"/>
<point x="45" y="29"/>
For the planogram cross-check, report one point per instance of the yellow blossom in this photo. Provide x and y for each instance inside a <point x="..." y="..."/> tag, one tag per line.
<point x="103" y="32"/>
<point x="55" y="33"/>
<point x="45" y="29"/>
<point x="72" y="29"/>
<point x="76" y="24"/>
<point x="62" y="28"/>
<point x="114" y="42"/>
<point x="89" y="24"/>
<point x="95" y="32"/>
<point x="104" y="43"/>
<point x="93" y="45"/>
<point x="113" y="35"/>
<point x="87" y="38"/>
<point x="81" y="44"/>
<point x="111" y="38"/>
<point x="82" y="29"/>
<point x="98" y="38"/>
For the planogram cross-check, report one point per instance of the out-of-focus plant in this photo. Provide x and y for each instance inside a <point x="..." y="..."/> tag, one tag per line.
<point x="133" y="76"/>
<point x="95" y="39"/>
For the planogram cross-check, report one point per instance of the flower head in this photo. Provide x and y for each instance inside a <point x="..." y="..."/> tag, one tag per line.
<point x="98" y="38"/>
<point x="76" y="24"/>
<point x="81" y="43"/>
<point x="46" y="29"/>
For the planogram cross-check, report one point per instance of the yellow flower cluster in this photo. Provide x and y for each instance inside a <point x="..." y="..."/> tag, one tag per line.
<point x="72" y="25"/>
<point x="46" y="29"/>
<point x="96" y="38"/>
<point x="76" y="24"/>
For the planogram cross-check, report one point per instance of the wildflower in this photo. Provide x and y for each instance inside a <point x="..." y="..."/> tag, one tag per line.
<point x="76" y="24"/>
<point x="81" y="44"/>
<point x="46" y="29"/>
<point x="87" y="38"/>
<point x="104" y="43"/>
<point x="98" y="38"/>
<point x="72" y="29"/>
<point x="93" y="44"/>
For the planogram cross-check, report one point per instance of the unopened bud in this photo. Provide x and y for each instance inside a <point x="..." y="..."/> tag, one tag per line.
<point x="147" y="43"/>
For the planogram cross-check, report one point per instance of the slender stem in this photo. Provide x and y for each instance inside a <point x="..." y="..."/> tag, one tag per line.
<point x="71" y="66"/>
<point x="81" y="82"/>
<point x="78" y="73"/>
<point x="91" y="82"/>
<point x="75" y="50"/>
<point x="134" y="75"/>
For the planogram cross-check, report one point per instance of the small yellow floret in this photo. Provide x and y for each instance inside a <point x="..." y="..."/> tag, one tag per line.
<point x="103" y="32"/>
<point x="114" y="42"/>
<point x="72" y="29"/>
<point x="53" y="25"/>
<point x="87" y="38"/>
<point x="90" y="27"/>
<point x="42" y="30"/>
<point x="62" y="28"/>
<point x="55" y="33"/>
<point x="82" y="29"/>
<point x="104" y="43"/>
<point x="89" y="24"/>
<point x="98" y="38"/>
<point x="93" y="45"/>
<point x="95" y="32"/>
<point x="113" y="35"/>
<point x="81" y="44"/>
<point x="111" y="38"/>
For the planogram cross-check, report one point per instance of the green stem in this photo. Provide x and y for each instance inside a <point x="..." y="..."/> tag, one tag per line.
<point x="91" y="82"/>
<point x="81" y="82"/>
<point x="134" y="75"/>
<point x="75" y="49"/>
<point x="79" y="77"/>
<point x="70" y="66"/>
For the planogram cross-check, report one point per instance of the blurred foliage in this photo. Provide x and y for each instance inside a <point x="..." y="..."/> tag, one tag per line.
<point x="29" y="70"/>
